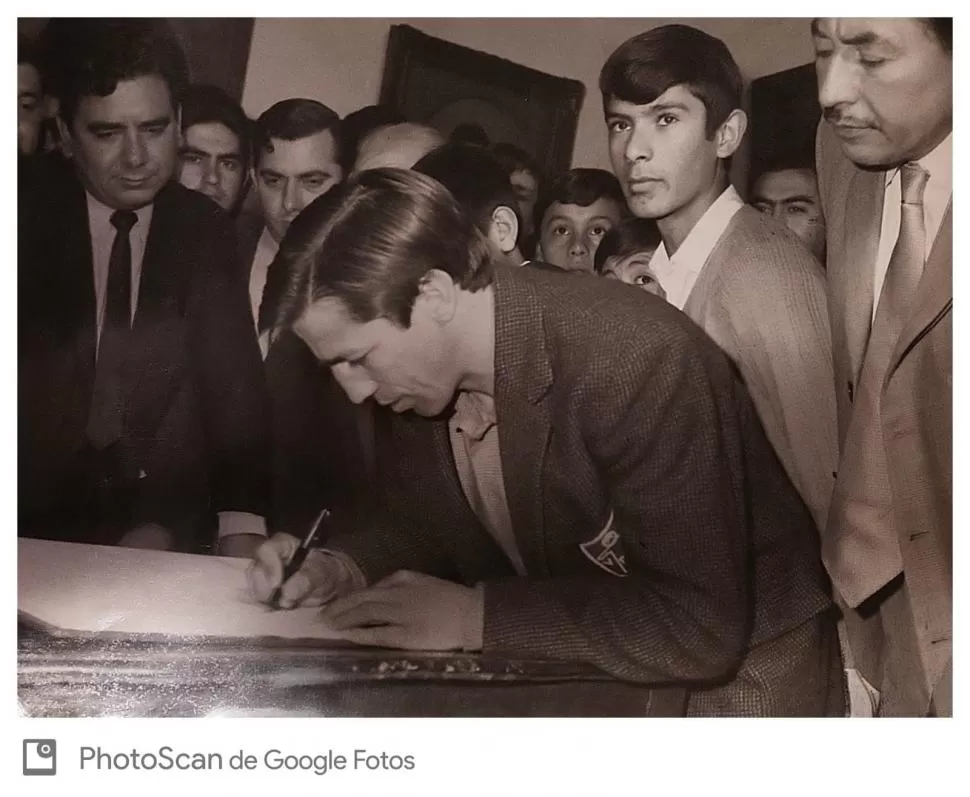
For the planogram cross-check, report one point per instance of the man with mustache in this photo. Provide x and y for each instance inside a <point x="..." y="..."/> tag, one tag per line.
<point x="885" y="177"/>
<point x="143" y="410"/>
<point x="672" y="102"/>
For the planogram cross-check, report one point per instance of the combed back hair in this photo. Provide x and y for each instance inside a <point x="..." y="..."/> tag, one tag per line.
<point x="942" y="28"/>
<point x="578" y="187"/>
<point x="371" y="241"/>
<point x="644" y="67"/>
<point x="631" y="236"/>
<point x="291" y="120"/>
<point x="474" y="178"/>
<point x="89" y="57"/>
<point x="515" y="159"/>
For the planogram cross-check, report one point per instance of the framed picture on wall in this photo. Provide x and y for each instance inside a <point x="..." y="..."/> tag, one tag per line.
<point x="448" y="86"/>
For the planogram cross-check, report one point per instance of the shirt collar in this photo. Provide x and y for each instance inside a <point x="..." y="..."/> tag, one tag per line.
<point x="474" y="414"/>
<point x="100" y="215"/>
<point x="703" y="237"/>
<point x="939" y="164"/>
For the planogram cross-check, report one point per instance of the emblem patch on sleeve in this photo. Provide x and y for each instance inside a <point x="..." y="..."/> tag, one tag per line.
<point x="605" y="550"/>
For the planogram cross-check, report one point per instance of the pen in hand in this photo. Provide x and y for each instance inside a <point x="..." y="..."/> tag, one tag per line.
<point x="299" y="556"/>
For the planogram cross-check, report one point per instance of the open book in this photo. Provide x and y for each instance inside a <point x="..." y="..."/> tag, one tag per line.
<point x="70" y="587"/>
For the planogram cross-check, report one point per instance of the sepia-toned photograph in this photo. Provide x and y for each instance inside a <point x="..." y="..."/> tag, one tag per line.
<point x="484" y="368"/>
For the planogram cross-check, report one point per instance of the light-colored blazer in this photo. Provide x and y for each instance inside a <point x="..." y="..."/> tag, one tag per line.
<point x="761" y="297"/>
<point x="917" y="396"/>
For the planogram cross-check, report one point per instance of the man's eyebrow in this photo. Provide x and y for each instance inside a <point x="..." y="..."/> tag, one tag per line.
<point x="316" y="173"/>
<point x="28" y="93"/>
<point x="668" y="106"/>
<point x="800" y="198"/>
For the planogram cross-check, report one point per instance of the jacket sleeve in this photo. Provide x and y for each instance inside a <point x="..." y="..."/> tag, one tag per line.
<point x="665" y="440"/>
<point x="229" y="373"/>
<point x="782" y="345"/>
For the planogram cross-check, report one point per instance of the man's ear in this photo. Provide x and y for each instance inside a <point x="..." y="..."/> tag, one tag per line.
<point x="438" y="295"/>
<point x="503" y="230"/>
<point x="64" y="133"/>
<point x="729" y="135"/>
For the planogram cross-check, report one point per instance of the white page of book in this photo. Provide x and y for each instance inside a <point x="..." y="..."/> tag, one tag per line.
<point x="72" y="587"/>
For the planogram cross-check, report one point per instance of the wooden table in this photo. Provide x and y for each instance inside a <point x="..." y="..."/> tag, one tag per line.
<point x="137" y="676"/>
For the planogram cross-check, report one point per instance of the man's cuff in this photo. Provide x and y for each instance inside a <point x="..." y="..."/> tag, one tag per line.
<point x="349" y="577"/>
<point x="233" y="523"/>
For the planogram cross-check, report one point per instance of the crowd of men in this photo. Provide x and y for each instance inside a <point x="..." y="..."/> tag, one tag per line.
<point x="619" y="418"/>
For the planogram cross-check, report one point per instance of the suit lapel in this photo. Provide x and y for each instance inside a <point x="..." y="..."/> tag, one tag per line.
<point x="935" y="291"/>
<point x="523" y="377"/>
<point x="863" y="223"/>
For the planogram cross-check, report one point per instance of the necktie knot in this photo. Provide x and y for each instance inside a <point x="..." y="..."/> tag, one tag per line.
<point x="124" y="220"/>
<point x="913" y="177"/>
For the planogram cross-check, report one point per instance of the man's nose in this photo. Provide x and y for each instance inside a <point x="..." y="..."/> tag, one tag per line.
<point x="579" y="247"/>
<point x="211" y="172"/>
<point x="354" y="382"/>
<point x="837" y="81"/>
<point x="135" y="154"/>
<point x="639" y="145"/>
<point x="292" y="197"/>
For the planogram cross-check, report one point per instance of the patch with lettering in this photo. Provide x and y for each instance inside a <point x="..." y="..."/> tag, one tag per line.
<point x="605" y="550"/>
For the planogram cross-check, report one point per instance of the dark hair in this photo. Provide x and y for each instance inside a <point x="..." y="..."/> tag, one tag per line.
<point x="578" y="187"/>
<point x="89" y="57"/>
<point x="291" y="120"/>
<point x="644" y="67"/>
<point x="371" y="241"/>
<point x="474" y="178"/>
<point x="516" y="159"/>
<point x="630" y="236"/>
<point x="942" y="28"/>
<point x="793" y="163"/>
<point x="467" y="133"/>
<point x="203" y="104"/>
<point x="357" y="124"/>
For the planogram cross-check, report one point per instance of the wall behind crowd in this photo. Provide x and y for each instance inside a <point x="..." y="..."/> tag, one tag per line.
<point x="340" y="62"/>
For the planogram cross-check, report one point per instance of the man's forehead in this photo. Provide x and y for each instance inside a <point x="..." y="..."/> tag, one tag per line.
<point x="314" y="152"/>
<point x="144" y="97"/>
<point x="213" y="138"/>
<point x="679" y="94"/>
<point x="866" y="30"/>
<point x="604" y="207"/>
<point x="785" y="183"/>
<point x="28" y="79"/>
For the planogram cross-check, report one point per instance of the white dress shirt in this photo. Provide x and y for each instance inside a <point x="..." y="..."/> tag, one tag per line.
<point x="266" y="250"/>
<point x="936" y="197"/>
<point x="678" y="274"/>
<point x="102" y="238"/>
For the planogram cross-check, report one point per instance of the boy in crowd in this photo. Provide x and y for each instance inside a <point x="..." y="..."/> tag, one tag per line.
<point x="789" y="194"/>
<point x="672" y="105"/>
<point x="625" y="253"/>
<point x="214" y="156"/>
<point x="574" y="212"/>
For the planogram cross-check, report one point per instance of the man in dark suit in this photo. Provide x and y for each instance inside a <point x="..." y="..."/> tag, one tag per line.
<point x="143" y="410"/>
<point x="580" y="475"/>
<point x="296" y="158"/>
<point x="885" y="178"/>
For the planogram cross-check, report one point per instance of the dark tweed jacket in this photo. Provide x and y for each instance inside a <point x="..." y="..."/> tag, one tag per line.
<point x="611" y="401"/>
